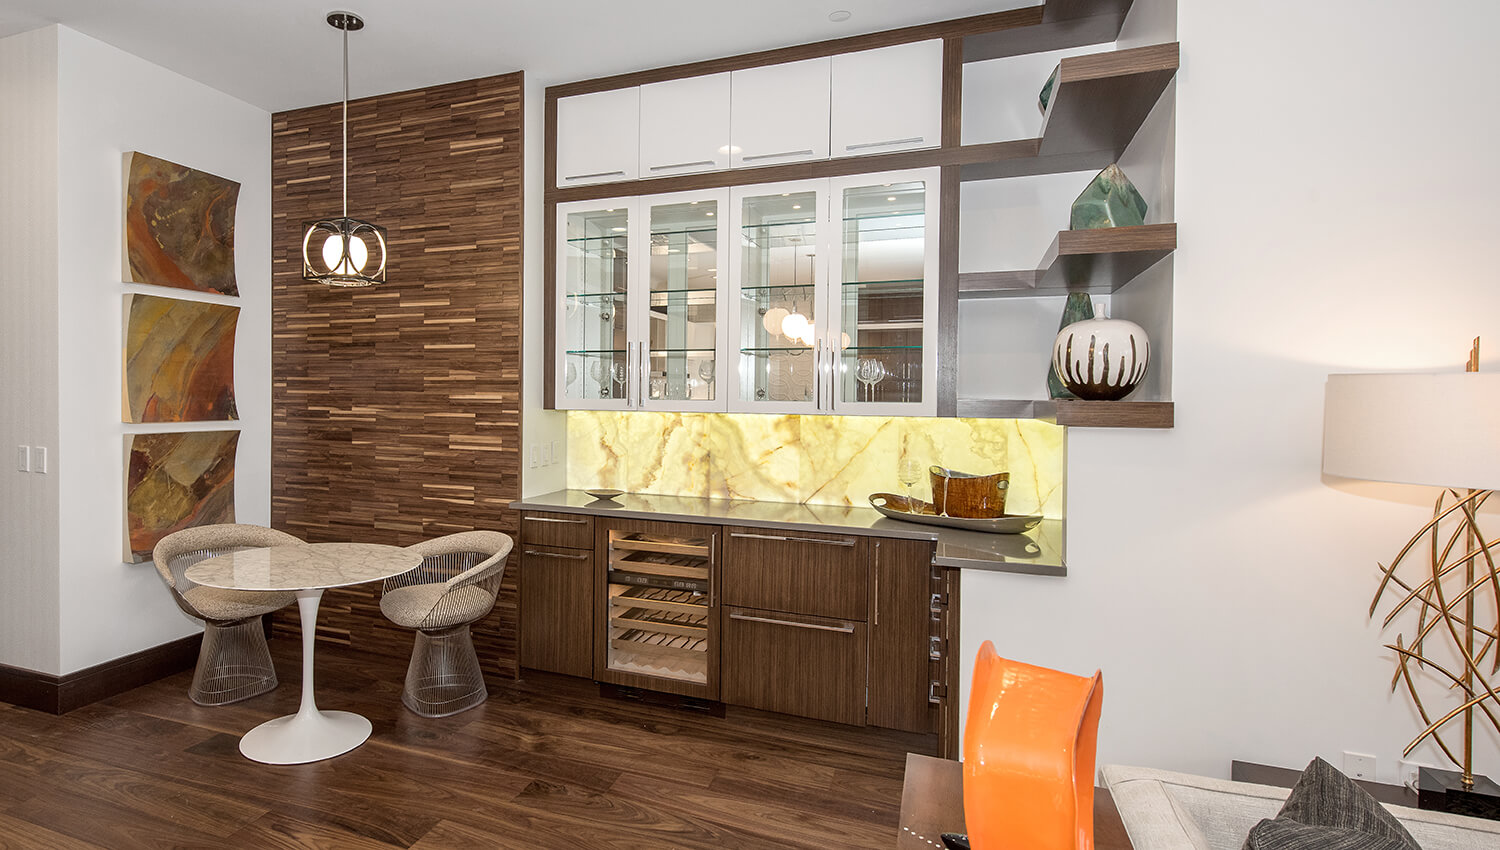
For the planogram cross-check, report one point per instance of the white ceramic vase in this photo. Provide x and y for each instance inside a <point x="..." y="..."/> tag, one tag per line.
<point x="1101" y="359"/>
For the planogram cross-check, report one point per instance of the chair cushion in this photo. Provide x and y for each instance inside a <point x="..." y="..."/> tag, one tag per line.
<point x="213" y="603"/>
<point x="1328" y="810"/>
<point x="413" y="606"/>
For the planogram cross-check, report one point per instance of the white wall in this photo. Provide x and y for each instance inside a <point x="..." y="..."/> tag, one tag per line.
<point x="28" y="346"/>
<point x="1333" y="216"/>
<point x="110" y="102"/>
<point x="538" y="426"/>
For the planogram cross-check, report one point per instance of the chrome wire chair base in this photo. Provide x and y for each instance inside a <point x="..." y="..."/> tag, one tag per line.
<point x="234" y="663"/>
<point x="444" y="676"/>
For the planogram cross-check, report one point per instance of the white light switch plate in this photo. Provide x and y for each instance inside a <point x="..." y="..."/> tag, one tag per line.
<point x="39" y="459"/>
<point x="23" y="458"/>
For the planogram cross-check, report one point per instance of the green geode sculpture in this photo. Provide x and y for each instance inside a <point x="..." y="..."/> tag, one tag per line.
<point x="1080" y="306"/>
<point x="1111" y="200"/>
<point x="1046" y="95"/>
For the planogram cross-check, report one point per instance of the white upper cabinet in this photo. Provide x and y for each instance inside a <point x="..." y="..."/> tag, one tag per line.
<point x="598" y="137"/>
<point x="889" y="99"/>
<point x="779" y="113"/>
<point x="685" y="126"/>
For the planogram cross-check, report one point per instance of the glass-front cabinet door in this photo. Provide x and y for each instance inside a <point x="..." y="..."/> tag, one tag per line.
<point x="594" y="304"/>
<point x="642" y="331"/>
<point x="884" y="293"/>
<point x="683" y="335"/>
<point x="778" y="278"/>
<point x="834" y="295"/>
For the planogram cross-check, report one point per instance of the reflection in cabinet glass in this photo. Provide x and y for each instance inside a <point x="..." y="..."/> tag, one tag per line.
<point x="682" y="338"/>
<point x="778" y="297"/>
<point x="595" y="285"/>
<point x="881" y="301"/>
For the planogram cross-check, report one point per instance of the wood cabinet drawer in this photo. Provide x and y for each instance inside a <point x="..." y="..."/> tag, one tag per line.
<point x="557" y="609"/>
<point x="575" y="531"/>
<point x="825" y="575"/>
<point x="794" y="664"/>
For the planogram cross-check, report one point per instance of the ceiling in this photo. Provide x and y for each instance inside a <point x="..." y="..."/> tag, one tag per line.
<point x="279" y="54"/>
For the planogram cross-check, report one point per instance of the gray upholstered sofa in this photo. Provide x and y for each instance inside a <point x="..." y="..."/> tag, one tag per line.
<point x="1179" y="811"/>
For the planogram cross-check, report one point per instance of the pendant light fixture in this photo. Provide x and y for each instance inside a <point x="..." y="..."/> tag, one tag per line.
<point x="344" y="251"/>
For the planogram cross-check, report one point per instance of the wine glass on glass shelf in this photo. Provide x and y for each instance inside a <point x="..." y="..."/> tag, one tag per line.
<point x="908" y="472"/>
<point x="870" y="372"/>
<point x="706" y="372"/>
<point x="619" y="374"/>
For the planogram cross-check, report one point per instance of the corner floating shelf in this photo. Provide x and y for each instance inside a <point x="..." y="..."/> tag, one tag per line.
<point x="1099" y="261"/>
<point x="1073" y="412"/>
<point x="1098" y="105"/>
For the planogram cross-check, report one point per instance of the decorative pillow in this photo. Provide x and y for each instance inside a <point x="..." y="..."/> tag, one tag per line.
<point x="1328" y="811"/>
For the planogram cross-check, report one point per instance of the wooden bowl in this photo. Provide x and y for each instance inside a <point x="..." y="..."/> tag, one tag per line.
<point x="962" y="494"/>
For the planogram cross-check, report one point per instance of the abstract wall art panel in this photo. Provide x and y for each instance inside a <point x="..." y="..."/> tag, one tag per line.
<point x="179" y="360"/>
<point x="179" y="226"/>
<point x="176" y="481"/>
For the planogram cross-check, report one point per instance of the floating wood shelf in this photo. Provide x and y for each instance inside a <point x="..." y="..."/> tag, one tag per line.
<point x="1073" y="412"/>
<point x="1099" y="261"/>
<point x="1065" y="23"/>
<point x="1098" y="105"/>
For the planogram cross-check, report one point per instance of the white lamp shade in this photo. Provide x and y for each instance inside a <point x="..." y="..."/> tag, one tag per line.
<point x="1439" y="430"/>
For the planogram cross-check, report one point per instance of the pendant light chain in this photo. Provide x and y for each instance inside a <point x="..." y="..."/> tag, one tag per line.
<point x="346" y="122"/>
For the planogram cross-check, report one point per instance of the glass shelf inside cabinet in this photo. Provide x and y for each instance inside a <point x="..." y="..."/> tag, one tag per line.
<point x="882" y="297"/>
<point x="595" y="374"/>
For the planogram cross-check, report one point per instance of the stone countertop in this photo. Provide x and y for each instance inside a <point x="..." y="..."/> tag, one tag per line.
<point x="1036" y="552"/>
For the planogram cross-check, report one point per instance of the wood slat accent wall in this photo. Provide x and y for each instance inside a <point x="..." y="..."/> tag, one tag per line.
<point x="396" y="410"/>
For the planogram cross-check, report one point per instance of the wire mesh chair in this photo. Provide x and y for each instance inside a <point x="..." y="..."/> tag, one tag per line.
<point x="234" y="662"/>
<point x="455" y="585"/>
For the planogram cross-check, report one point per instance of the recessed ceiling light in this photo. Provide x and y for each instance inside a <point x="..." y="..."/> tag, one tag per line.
<point x="891" y="198"/>
<point x="839" y="17"/>
<point x="618" y="229"/>
<point x="708" y="213"/>
<point x="796" y="206"/>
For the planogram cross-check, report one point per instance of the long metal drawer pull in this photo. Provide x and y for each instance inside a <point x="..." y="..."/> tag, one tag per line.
<point x="555" y="555"/>
<point x="680" y="165"/>
<point x="595" y="174"/>
<point x="848" y="630"/>
<point x="554" y="519"/>
<point x="792" y="539"/>
<point x="806" y="152"/>
<point x="863" y="145"/>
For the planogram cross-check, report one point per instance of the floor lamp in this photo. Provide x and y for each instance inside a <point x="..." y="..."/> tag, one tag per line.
<point x="1438" y="430"/>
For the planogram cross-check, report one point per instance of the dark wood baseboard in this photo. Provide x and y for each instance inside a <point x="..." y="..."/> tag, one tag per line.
<point x="61" y="694"/>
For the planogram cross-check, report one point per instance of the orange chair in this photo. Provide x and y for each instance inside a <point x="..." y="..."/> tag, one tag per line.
<point x="1029" y="745"/>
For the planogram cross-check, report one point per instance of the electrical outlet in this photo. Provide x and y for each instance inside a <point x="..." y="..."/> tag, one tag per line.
<point x="1408" y="775"/>
<point x="23" y="458"/>
<point x="557" y="451"/>
<point x="536" y="455"/>
<point x="1359" y="766"/>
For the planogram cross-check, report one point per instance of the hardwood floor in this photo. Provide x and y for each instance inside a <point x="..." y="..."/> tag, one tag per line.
<point x="546" y="763"/>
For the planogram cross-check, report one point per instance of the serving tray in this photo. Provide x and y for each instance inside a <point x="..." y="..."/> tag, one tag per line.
<point x="897" y="507"/>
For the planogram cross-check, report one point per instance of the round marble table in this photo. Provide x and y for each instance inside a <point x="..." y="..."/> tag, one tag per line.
<point x="308" y="569"/>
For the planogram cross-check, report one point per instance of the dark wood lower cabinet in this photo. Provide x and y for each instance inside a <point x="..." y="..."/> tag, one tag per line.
<point x="901" y="636"/>
<point x="795" y="664"/>
<point x="557" y="609"/>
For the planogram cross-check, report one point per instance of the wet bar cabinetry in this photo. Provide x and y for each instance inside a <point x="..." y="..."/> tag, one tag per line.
<point x="840" y="627"/>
